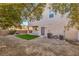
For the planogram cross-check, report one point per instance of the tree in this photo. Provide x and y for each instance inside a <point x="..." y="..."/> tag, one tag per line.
<point x="62" y="8"/>
<point x="72" y="8"/>
<point x="34" y="11"/>
<point x="74" y="15"/>
<point x="10" y="15"/>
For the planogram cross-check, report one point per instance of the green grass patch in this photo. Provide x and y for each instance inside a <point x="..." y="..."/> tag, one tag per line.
<point x="26" y="36"/>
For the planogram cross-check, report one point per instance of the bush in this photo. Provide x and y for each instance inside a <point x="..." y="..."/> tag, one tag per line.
<point x="61" y="37"/>
<point x="11" y="32"/>
<point x="49" y="35"/>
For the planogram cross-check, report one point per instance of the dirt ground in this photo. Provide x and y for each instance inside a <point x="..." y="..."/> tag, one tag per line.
<point x="12" y="46"/>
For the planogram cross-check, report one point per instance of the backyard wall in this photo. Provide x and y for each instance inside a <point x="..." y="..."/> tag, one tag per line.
<point x="71" y="34"/>
<point x="4" y="32"/>
<point x="21" y="31"/>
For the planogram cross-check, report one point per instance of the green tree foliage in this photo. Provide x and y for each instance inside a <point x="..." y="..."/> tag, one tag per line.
<point x="34" y="11"/>
<point x="72" y="8"/>
<point x="37" y="12"/>
<point x="74" y="15"/>
<point x="60" y="7"/>
<point x="11" y="13"/>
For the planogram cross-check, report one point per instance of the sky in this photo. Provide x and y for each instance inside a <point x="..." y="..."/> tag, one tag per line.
<point x="25" y="22"/>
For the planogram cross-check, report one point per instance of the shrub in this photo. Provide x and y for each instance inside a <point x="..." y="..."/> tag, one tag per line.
<point x="11" y="32"/>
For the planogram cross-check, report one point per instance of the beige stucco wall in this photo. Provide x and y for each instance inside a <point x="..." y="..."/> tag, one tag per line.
<point x="71" y="34"/>
<point x="55" y="25"/>
<point x="4" y="32"/>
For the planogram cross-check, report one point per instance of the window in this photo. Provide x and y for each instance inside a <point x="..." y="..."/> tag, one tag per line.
<point x="35" y="28"/>
<point x="51" y="14"/>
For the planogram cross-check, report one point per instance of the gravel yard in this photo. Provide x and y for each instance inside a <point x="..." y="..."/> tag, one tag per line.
<point x="12" y="46"/>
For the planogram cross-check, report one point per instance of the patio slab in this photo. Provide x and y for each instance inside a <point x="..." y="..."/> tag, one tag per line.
<point x="39" y="46"/>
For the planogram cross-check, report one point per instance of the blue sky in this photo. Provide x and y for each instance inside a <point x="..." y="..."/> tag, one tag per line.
<point x="25" y="22"/>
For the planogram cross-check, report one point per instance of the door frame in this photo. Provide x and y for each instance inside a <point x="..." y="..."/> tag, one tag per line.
<point x="42" y="30"/>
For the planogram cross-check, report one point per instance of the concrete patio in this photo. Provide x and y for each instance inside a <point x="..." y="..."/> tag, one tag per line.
<point x="10" y="45"/>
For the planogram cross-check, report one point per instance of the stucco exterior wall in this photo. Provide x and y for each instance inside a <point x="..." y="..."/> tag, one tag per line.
<point x="55" y="25"/>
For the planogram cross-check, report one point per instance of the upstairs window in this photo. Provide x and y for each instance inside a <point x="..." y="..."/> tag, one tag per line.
<point x="51" y="14"/>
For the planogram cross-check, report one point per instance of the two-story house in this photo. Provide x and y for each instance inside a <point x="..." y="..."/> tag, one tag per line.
<point x="54" y="23"/>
